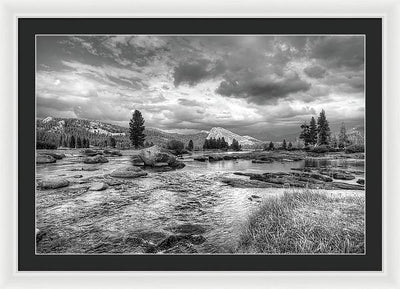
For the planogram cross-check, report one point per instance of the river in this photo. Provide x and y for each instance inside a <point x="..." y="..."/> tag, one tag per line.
<point x="162" y="203"/>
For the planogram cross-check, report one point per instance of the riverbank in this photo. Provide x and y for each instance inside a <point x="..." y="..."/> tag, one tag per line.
<point x="306" y="222"/>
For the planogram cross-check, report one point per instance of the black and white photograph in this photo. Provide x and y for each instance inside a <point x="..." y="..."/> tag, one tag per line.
<point x="200" y="144"/>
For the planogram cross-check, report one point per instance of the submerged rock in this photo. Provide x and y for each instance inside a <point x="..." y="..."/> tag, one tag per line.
<point x="287" y="180"/>
<point x="245" y="183"/>
<point x="91" y="153"/>
<point x="159" y="165"/>
<point x="200" y="158"/>
<point x="346" y="186"/>
<point x="181" y="248"/>
<point x="95" y="160"/>
<point x="230" y="157"/>
<point x="112" y="152"/>
<point x="45" y="159"/>
<point x="361" y="181"/>
<point x="88" y="168"/>
<point x="113" y="182"/>
<point x="57" y="156"/>
<point x="53" y="184"/>
<point x="128" y="172"/>
<point x="39" y="235"/>
<point x="337" y="174"/>
<point x="173" y="240"/>
<point x="343" y="176"/>
<point x="187" y="229"/>
<point x="214" y="158"/>
<point x="98" y="186"/>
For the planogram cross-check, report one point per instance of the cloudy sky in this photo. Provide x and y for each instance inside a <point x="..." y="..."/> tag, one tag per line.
<point x="252" y="85"/>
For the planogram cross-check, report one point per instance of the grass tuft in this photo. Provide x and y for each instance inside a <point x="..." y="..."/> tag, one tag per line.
<point x="306" y="222"/>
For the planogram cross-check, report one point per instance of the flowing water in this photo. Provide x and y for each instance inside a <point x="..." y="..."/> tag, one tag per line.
<point x="157" y="204"/>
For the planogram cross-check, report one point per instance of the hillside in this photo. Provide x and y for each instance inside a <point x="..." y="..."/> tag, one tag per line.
<point x="51" y="129"/>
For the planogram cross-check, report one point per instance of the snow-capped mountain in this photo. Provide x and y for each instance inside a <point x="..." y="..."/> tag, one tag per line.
<point x="219" y="132"/>
<point x="60" y="125"/>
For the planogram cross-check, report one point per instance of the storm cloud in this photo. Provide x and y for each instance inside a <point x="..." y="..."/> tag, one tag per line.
<point x="246" y="83"/>
<point x="315" y="71"/>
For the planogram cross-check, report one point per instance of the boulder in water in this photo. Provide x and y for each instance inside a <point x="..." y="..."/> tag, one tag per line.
<point x="343" y="176"/>
<point x="361" y="181"/>
<point x="53" y="184"/>
<point x="57" y="156"/>
<point x="128" y="172"/>
<point x="214" y="158"/>
<point x="98" y="186"/>
<point x="95" y="160"/>
<point x="45" y="159"/>
<point x="200" y="158"/>
<point x="155" y="154"/>
<point x="91" y="153"/>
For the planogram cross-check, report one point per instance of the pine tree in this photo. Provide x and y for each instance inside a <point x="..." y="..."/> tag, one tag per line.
<point x="206" y="144"/>
<point x="190" y="145"/>
<point x="87" y="143"/>
<point x="312" y="131"/>
<point x="78" y="142"/>
<point x="323" y="129"/>
<point x="343" y="138"/>
<point x="84" y="143"/>
<point x="224" y="143"/>
<point x="136" y="129"/>
<point x="305" y="134"/>
<point x="72" y="142"/>
<point x="112" y="142"/>
<point x="271" y="146"/>
<point x="290" y="146"/>
<point x="334" y="141"/>
<point x="235" y="145"/>
<point x="284" y="144"/>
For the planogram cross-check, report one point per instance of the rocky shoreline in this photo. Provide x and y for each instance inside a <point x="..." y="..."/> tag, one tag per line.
<point x="302" y="179"/>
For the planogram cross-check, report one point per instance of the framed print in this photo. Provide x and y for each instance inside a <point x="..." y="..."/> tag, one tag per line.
<point x="219" y="144"/>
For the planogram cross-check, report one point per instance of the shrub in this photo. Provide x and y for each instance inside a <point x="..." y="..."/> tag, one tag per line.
<point x="45" y="145"/>
<point x="355" y="148"/>
<point x="175" y="146"/>
<point x="321" y="149"/>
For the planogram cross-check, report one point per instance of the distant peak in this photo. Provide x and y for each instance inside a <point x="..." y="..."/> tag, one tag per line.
<point x="219" y="132"/>
<point x="47" y="119"/>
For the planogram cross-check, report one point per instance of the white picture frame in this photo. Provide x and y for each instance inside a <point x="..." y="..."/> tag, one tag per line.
<point x="389" y="10"/>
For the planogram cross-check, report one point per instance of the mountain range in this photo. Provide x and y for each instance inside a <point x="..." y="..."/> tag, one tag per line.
<point x="100" y="131"/>
<point x="94" y="130"/>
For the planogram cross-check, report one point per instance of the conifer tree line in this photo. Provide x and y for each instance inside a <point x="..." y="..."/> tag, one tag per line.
<point x="220" y="143"/>
<point x="316" y="132"/>
<point x="285" y="146"/>
<point x="213" y="143"/>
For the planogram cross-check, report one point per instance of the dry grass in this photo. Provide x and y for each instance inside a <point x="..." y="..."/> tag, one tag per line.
<point x="306" y="222"/>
